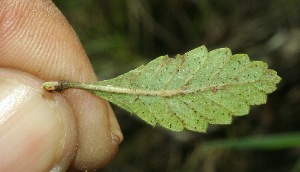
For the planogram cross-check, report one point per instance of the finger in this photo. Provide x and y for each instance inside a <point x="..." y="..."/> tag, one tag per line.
<point x="37" y="129"/>
<point x="36" y="38"/>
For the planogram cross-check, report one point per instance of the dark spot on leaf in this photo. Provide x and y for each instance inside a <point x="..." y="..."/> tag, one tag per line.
<point x="214" y="89"/>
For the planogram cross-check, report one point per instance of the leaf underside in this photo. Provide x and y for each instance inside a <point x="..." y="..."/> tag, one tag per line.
<point x="192" y="90"/>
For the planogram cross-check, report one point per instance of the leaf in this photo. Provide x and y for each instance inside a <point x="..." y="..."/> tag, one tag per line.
<point x="189" y="91"/>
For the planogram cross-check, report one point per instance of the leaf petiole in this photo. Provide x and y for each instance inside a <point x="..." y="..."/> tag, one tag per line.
<point x="62" y="85"/>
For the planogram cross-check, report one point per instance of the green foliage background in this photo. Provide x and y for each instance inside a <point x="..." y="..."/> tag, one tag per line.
<point x="120" y="35"/>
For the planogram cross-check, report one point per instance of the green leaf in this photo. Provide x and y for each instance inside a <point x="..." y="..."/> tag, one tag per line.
<point x="189" y="91"/>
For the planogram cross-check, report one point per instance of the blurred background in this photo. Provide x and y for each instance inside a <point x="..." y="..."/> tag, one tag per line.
<point x="121" y="35"/>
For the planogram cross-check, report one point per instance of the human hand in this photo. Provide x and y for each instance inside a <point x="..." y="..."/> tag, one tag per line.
<point x="42" y="131"/>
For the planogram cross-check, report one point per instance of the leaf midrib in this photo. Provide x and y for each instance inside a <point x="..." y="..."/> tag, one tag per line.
<point x="162" y="93"/>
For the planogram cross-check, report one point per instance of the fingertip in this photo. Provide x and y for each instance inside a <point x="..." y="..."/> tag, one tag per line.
<point x="98" y="137"/>
<point x="117" y="134"/>
<point x="37" y="38"/>
<point x="36" y="128"/>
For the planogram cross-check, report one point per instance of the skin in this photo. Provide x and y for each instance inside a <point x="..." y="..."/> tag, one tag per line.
<point x="39" y="131"/>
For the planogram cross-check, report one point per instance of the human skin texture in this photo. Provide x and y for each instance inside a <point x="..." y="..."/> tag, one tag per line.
<point x="39" y="131"/>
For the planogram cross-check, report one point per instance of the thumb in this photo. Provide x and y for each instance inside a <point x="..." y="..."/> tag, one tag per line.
<point x="37" y="131"/>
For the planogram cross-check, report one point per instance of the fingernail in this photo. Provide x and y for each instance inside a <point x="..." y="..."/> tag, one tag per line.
<point x="12" y="96"/>
<point x="117" y="135"/>
<point x="31" y="134"/>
